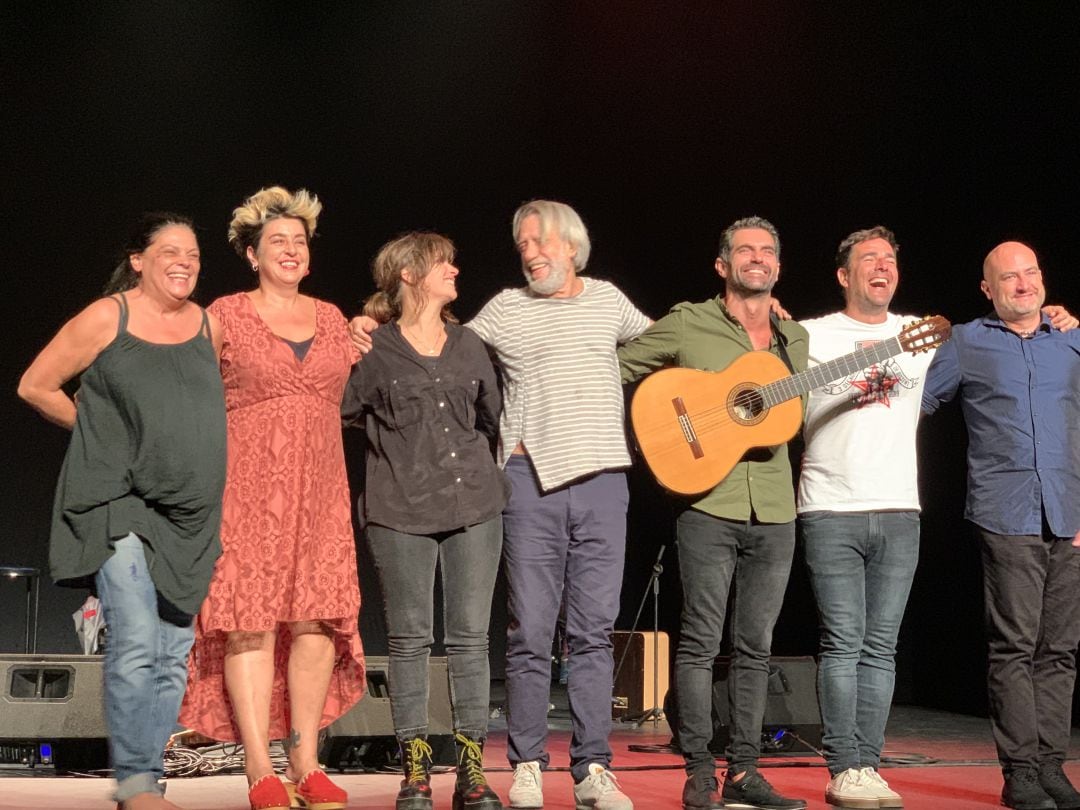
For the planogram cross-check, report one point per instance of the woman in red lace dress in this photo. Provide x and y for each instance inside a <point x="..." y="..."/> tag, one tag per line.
<point x="277" y="652"/>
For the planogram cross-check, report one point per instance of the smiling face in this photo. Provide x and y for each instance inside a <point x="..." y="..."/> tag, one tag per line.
<point x="754" y="266"/>
<point x="281" y="255"/>
<point x="1013" y="280"/>
<point x="439" y="285"/>
<point x="547" y="260"/>
<point x="869" y="279"/>
<point x="169" y="265"/>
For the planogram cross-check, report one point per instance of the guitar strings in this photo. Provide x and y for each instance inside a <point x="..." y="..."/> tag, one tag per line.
<point x="778" y="391"/>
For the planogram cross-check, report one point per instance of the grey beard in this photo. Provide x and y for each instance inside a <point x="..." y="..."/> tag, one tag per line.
<point x="554" y="281"/>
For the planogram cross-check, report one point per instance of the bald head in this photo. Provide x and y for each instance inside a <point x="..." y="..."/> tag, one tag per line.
<point x="1013" y="280"/>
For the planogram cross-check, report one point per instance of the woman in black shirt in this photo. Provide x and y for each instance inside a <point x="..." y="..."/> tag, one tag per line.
<point x="428" y="398"/>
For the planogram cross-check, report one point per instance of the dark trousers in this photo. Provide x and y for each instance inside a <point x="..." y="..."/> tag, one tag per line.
<point x="714" y="554"/>
<point x="1032" y="590"/>
<point x="563" y="545"/>
<point x="469" y="561"/>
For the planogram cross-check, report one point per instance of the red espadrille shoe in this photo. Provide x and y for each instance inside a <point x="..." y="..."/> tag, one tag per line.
<point x="315" y="791"/>
<point x="268" y="794"/>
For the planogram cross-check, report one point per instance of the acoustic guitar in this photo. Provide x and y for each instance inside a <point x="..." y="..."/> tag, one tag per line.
<point x="693" y="426"/>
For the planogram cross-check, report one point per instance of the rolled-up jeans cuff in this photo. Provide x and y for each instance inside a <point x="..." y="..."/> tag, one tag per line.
<point x="138" y="783"/>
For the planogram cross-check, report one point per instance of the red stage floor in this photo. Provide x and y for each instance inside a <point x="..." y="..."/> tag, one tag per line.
<point x="955" y="769"/>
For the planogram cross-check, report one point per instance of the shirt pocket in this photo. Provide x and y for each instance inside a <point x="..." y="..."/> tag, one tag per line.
<point x="461" y="399"/>
<point x="400" y="406"/>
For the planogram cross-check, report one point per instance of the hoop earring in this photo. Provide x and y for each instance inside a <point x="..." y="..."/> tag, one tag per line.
<point x="254" y="268"/>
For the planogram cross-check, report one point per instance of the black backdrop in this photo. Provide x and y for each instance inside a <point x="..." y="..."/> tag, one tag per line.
<point x="954" y="124"/>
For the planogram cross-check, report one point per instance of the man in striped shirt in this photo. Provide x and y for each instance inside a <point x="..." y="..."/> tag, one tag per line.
<point x="563" y="445"/>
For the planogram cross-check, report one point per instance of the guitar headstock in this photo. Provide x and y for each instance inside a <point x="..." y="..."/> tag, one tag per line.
<point x="929" y="333"/>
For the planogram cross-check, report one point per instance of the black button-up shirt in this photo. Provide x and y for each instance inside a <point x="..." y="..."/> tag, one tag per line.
<point x="432" y="424"/>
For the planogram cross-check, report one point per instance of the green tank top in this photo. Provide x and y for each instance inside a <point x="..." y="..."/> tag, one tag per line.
<point x="147" y="455"/>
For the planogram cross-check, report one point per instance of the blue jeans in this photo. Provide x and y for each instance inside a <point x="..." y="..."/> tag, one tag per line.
<point x="861" y="567"/>
<point x="145" y="669"/>
<point x="715" y="553"/>
<point x="568" y="543"/>
<point x="469" y="561"/>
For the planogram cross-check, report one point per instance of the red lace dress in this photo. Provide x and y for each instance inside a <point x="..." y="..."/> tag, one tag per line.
<point x="287" y="537"/>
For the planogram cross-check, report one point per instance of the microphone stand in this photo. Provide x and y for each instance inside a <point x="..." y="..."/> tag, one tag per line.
<point x="656" y="712"/>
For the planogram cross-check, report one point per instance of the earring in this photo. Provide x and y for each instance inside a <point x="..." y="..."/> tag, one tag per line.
<point x="254" y="268"/>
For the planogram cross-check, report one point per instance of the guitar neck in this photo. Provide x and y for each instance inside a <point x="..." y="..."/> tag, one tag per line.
<point x="805" y="381"/>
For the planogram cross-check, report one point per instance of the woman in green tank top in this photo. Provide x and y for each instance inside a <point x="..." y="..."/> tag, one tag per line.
<point x="138" y="506"/>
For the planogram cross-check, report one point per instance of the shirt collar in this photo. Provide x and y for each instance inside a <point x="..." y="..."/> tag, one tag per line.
<point x="994" y="322"/>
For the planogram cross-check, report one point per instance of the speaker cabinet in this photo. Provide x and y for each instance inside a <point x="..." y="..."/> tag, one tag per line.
<point x="52" y="710"/>
<point x="792" y="716"/>
<point x="364" y="736"/>
<point x="792" y="722"/>
<point x="646" y="657"/>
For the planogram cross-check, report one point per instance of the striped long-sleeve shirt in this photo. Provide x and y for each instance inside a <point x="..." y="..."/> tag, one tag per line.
<point x="562" y="397"/>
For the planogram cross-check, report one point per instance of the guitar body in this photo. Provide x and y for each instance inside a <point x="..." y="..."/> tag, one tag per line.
<point x="693" y="426"/>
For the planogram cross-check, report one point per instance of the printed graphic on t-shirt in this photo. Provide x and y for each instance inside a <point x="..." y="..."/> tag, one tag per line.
<point x="874" y="385"/>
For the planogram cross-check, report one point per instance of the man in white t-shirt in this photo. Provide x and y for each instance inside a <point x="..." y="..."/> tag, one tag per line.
<point x="858" y="508"/>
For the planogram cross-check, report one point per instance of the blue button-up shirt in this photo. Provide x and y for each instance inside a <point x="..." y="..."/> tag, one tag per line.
<point x="1021" y="402"/>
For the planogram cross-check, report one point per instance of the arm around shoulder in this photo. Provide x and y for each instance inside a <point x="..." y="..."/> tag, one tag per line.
<point x="70" y="352"/>
<point x="943" y="376"/>
<point x="654" y="348"/>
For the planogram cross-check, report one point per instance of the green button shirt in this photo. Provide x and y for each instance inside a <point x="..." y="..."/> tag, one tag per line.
<point x="706" y="336"/>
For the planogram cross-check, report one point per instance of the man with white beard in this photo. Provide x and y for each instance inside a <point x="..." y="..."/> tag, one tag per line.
<point x="563" y="446"/>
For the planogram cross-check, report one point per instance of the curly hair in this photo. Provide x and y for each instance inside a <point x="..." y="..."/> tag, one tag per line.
<point x="267" y="204"/>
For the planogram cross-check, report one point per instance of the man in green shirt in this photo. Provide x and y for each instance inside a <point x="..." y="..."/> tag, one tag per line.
<point x="743" y="529"/>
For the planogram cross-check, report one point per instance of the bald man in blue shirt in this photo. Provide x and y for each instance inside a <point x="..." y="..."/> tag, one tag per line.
<point x="1018" y="380"/>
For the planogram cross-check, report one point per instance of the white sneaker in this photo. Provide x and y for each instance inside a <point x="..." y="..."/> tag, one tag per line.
<point x="850" y="789"/>
<point x="600" y="791"/>
<point x="887" y="797"/>
<point x="527" y="790"/>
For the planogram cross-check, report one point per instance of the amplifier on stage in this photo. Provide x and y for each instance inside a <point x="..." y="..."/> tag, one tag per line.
<point x="51" y="711"/>
<point x="644" y="656"/>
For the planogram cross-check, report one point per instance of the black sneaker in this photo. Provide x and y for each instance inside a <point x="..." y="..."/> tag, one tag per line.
<point x="1022" y="791"/>
<point x="753" y="792"/>
<point x="702" y="792"/>
<point x="1053" y="780"/>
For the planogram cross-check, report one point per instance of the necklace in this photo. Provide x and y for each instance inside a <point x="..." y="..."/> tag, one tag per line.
<point x="419" y="342"/>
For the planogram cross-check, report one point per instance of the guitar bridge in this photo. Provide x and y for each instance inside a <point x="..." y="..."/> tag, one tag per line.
<point x="687" y="428"/>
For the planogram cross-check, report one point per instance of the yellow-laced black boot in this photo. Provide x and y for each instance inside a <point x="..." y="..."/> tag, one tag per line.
<point x="471" y="792"/>
<point x="415" y="793"/>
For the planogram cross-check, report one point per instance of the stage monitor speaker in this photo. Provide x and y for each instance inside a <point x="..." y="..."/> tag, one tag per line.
<point x="792" y="723"/>
<point x="792" y="716"/>
<point x="633" y="692"/>
<point x="364" y="737"/>
<point x="52" y="711"/>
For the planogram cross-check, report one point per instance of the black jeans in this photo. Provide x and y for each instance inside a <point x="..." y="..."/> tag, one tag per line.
<point x="713" y="553"/>
<point x="1032" y="590"/>
<point x="469" y="561"/>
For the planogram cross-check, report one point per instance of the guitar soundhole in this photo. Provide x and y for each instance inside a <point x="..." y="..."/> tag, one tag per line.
<point x="746" y="404"/>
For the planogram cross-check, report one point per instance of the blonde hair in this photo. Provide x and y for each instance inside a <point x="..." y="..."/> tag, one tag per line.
<point x="417" y="252"/>
<point x="267" y="204"/>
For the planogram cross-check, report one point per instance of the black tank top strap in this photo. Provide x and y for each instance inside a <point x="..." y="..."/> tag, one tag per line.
<point x="205" y="331"/>
<point x="121" y="300"/>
